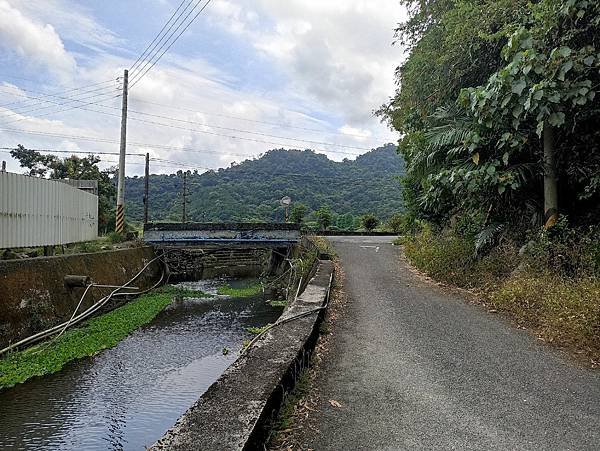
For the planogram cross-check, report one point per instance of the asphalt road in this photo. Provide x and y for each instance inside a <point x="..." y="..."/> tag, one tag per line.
<point x="416" y="368"/>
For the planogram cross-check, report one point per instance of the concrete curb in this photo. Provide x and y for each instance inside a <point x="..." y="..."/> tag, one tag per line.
<point x="235" y="413"/>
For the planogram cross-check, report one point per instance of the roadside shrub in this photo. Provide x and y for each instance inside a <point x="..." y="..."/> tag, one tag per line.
<point x="446" y="258"/>
<point x="396" y="223"/>
<point x="451" y="258"/>
<point x="564" y="251"/>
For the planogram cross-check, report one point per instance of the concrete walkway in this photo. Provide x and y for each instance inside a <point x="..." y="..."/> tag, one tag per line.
<point x="414" y="368"/>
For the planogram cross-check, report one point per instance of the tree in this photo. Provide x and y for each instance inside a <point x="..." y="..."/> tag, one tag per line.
<point x="323" y="215"/>
<point x="298" y="213"/>
<point x="396" y="222"/>
<point x="75" y="168"/>
<point x="369" y="221"/>
<point x="345" y="222"/>
<point x="503" y="134"/>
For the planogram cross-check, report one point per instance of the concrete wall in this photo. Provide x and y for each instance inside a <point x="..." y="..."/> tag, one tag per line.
<point x="32" y="292"/>
<point x="194" y="262"/>
<point x="236" y="411"/>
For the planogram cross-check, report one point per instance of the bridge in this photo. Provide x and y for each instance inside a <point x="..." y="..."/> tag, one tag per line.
<point x="185" y="234"/>
<point x="205" y="250"/>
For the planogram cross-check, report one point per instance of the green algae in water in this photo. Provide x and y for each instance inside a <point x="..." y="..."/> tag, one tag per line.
<point x="240" y="292"/>
<point x="97" y="334"/>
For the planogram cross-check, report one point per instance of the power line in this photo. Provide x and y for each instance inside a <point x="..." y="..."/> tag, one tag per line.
<point x="133" y="66"/>
<point x="204" y="131"/>
<point x="139" y="77"/>
<point x="105" y="98"/>
<point x="114" y="141"/>
<point x="243" y="138"/>
<point x="80" y="88"/>
<point x="171" y="164"/>
<point x="70" y="100"/>
<point x="144" y="145"/>
<point x="73" y="152"/>
<point x="249" y="132"/>
<point x="274" y="124"/>
<point x="299" y="140"/>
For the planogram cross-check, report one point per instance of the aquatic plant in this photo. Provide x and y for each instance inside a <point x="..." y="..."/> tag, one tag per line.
<point x="99" y="333"/>
<point x="240" y="292"/>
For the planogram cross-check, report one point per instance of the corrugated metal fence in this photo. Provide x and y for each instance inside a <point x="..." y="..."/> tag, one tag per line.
<point x="41" y="212"/>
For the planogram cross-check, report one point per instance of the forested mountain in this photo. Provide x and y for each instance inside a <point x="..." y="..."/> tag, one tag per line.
<point x="251" y="190"/>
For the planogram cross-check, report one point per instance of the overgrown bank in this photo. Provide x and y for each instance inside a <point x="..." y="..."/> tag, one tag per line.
<point x="97" y="334"/>
<point x="551" y="284"/>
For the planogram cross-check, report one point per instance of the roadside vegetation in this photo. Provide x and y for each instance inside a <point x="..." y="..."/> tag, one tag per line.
<point x="497" y="107"/>
<point x="99" y="333"/>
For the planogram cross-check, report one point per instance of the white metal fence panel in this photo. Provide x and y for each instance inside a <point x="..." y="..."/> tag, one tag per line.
<point x="41" y="212"/>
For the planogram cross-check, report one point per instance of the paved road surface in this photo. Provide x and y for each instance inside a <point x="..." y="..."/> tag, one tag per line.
<point x="415" y="368"/>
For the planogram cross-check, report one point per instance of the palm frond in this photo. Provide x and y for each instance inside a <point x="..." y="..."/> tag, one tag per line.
<point x="487" y="236"/>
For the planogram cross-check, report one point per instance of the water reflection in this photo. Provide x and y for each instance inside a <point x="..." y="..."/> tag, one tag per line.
<point x="126" y="397"/>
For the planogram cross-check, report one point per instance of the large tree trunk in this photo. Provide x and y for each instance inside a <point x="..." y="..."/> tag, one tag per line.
<point x="550" y="183"/>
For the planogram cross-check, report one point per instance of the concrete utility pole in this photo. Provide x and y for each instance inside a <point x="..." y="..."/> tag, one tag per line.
<point x="183" y="216"/>
<point x="146" y="185"/>
<point x="120" y="219"/>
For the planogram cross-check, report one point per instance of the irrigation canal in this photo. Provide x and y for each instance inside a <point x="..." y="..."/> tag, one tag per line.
<point x="126" y="397"/>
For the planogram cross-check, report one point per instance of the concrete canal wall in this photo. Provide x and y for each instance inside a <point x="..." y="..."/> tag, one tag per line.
<point x="33" y="296"/>
<point x="236" y="412"/>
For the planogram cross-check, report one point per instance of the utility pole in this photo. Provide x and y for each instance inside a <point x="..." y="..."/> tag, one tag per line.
<point x="120" y="218"/>
<point x="183" y="216"/>
<point x="146" y="185"/>
<point x="3" y="166"/>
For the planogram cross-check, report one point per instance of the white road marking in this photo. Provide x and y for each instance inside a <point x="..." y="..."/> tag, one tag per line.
<point x="371" y="247"/>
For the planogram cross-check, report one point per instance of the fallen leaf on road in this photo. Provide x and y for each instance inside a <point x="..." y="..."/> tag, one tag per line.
<point x="334" y="403"/>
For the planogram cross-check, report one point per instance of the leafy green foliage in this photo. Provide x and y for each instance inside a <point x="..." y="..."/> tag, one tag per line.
<point x="483" y="80"/>
<point x="323" y="215"/>
<point x="298" y="213"/>
<point x="251" y="190"/>
<point x="278" y="303"/>
<point x="369" y="221"/>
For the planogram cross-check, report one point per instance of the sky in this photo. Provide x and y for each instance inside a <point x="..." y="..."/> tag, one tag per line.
<point x="245" y="77"/>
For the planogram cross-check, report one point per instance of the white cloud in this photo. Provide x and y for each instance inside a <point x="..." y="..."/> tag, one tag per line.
<point x="70" y="20"/>
<point x="35" y="41"/>
<point x="337" y="53"/>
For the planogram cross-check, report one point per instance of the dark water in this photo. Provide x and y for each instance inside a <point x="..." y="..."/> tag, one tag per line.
<point x="128" y="396"/>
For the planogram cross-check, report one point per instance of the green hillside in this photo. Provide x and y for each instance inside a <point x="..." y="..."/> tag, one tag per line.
<point x="251" y="190"/>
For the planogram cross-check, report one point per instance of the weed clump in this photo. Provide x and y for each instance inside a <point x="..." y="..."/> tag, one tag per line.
<point x="258" y="330"/>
